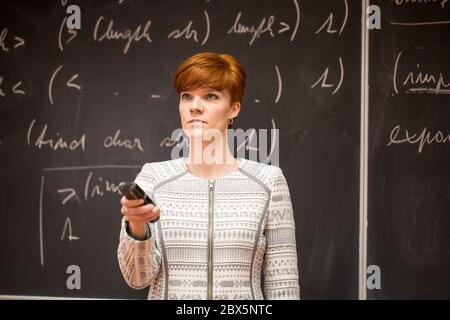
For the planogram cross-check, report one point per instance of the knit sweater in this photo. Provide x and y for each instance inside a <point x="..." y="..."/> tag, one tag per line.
<point x="228" y="238"/>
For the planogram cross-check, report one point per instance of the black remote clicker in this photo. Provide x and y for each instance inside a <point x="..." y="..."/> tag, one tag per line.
<point x="132" y="191"/>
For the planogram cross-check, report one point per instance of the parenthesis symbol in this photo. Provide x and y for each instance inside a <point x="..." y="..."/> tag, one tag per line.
<point x="207" y="27"/>
<point x="297" y="9"/>
<point x="394" y="80"/>
<point x="50" y="85"/>
<point x="273" y="137"/>
<point x="60" y="34"/>
<point x="345" y="17"/>
<point x="341" y="78"/>
<point x="280" y="84"/>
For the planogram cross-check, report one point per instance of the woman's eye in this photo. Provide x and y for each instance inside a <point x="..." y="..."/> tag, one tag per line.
<point x="185" y="96"/>
<point x="211" y="96"/>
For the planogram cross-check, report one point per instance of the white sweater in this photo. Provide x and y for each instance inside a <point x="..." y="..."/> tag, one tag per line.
<point x="228" y="238"/>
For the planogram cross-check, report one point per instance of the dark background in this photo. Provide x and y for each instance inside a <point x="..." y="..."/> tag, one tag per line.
<point x="409" y="187"/>
<point x="319" y="137"/>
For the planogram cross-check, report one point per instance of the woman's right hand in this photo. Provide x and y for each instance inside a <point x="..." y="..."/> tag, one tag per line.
<point x="138" y="215"/>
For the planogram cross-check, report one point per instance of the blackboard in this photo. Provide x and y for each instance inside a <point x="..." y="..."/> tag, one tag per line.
<point x="108" y="106"/>
<point x="409" y="173"/>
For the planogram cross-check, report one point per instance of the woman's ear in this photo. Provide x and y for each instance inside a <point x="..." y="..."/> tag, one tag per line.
<point x="235" y="109"/>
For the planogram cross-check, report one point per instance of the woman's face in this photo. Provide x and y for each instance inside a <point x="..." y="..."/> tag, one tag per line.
<point x="206" y="108"/>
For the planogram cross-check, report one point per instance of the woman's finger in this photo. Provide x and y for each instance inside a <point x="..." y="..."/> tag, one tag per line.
<point x="131" y="203"/>
<point x="141" y="210"/>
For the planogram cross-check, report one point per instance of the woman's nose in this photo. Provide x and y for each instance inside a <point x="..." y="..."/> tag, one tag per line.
<point x="197" y="104"/>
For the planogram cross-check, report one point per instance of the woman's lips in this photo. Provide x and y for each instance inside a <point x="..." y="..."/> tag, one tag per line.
<point x="196" y="122"/>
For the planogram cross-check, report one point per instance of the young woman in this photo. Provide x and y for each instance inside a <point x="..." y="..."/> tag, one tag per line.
<point x="226" y="227"/>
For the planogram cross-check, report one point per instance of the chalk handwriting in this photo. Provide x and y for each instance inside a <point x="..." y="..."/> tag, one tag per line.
<point x="98" y="187"/>
<point x="116" y="141"/>
<point x="280" y="84"/>
<point x="173" y="141"/>
<point x="68" y="228"/>
<point x="3" y="45"/>
<point x="16" y="88"/>
<point x="187" y="33"/>
<point x="329" y="22"/>
<point x="70" y="83"/>
<point x="72" y="32"/>
<point x="419" y="81"/>
<point x="55" y="143"/>
<point x="136" y="35"/>
<point x="420" y="139"/>
<point x="71" y="193"/>
<point x="266" y="25"/>
<point x="425" y="78"/>
<point x="190" y="33"/>
<point x="324" y="77"/>
<point x="442" y="3"/>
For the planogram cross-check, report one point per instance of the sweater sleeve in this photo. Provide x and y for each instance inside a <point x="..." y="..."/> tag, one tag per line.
<point x="139" y="261"/>
<point x="281" y="280"/>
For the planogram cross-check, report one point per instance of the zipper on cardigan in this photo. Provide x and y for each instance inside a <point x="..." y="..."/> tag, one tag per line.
<point x="210" y="239"/>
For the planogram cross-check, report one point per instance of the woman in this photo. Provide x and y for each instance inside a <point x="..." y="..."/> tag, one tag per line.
<point x="225" y="223"/>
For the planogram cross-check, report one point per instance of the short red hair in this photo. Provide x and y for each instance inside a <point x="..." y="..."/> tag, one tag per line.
<point x="217" y="71"/>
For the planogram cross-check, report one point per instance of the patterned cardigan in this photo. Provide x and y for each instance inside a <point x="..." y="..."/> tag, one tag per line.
<point x="228" y="238"/>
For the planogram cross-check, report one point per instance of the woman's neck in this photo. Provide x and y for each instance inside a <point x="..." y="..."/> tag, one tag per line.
<point x="211" y="161"/>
